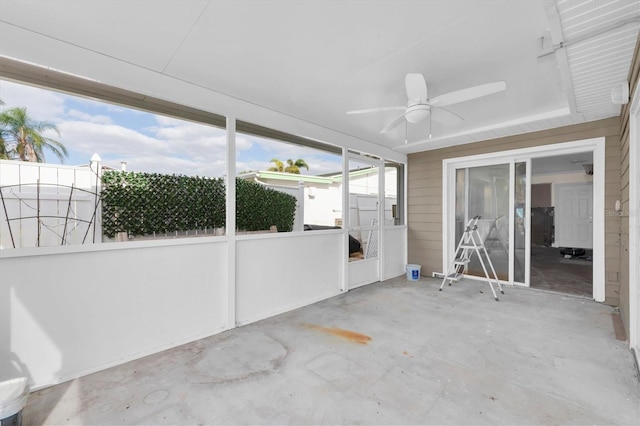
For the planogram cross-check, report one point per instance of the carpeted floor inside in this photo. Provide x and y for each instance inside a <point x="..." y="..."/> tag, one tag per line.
<point x="552" y="271"/>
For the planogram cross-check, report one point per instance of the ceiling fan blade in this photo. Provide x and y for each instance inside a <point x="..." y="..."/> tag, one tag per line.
<point x="468" y="94"/>
<point x="451" y="113"/>
<point x="416" y="87"/>
<point x="366" y="111"/>
<point x="395" y="123"/>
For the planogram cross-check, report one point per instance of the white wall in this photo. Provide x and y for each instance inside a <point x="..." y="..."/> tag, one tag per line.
<point x="395" y="251"/>
<point x="279" y="273"/>
<point x="322" y="204"/>
<point x="69" y="314"/>
<point x="70" y="311"/>
<point x="66" y="311"/>
<point x="560" y="178"/>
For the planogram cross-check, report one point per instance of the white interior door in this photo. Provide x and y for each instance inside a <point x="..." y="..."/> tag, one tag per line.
<point x="574" y="215"/>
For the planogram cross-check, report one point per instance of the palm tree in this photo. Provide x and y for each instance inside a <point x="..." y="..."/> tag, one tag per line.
<point x="279" y="165"/>
<point x="4" y="154"/>
<point x="294" y="167"/>
<point x="26" y="134"/>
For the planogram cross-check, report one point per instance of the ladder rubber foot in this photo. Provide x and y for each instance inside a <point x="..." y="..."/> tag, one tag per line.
<point x="502" y="291"/>
<point x="497" y="299"/>
<point x="449" y="284"/>
<point x="440" y="289"/>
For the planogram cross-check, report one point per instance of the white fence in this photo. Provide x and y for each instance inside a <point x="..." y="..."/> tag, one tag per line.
<point x="48" y="205"/>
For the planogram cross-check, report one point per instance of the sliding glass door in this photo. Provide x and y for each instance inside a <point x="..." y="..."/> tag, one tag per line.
<point x="497" y="186"/>
<point x="497" y="193"/>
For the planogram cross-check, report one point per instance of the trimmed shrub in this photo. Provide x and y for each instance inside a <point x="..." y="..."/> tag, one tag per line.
<point x="259" y="208"/>
<point x="147" y="203"/>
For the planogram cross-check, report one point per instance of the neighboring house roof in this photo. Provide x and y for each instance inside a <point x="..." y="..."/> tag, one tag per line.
<point x="328" y="178"/>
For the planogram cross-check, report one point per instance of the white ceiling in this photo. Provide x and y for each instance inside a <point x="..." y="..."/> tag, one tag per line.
<point x="316" y="60"/>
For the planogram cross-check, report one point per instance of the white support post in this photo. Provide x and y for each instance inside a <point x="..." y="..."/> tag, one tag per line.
<point x="96" y="167"/>
<point x="345" y="219"/>
<point x="299" y="220"/>
<point x="230" y="225"/>
<point x="382" y="205"/>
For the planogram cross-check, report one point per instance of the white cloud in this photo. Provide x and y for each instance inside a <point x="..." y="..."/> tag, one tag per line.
<point x="80" y="115"/>
<point x="164" y="121"/>
<point x="171" y="165"/>
<point x="202" y="155"/>
<point x="94" y="137"/>
<point x="243" y="144"/>
<point x="43" y="105"/>
<point x="320" y="166"/>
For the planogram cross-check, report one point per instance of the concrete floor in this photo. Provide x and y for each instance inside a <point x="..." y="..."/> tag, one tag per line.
<point x="397" y="352"/>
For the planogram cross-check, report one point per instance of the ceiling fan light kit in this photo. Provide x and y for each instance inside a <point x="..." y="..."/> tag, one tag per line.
<point x="419" y="106"/>
<point x="417" y="113"/>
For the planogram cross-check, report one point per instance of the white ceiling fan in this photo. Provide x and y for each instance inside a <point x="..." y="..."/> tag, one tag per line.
<point x="419" y="106"/>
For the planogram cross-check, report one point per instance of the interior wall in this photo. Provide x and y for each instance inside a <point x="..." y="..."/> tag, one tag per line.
<point x="560" y="178"/>
<point x="425" y="192"/>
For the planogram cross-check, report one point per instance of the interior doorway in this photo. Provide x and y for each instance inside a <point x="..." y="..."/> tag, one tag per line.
<point x="562" y="223"/>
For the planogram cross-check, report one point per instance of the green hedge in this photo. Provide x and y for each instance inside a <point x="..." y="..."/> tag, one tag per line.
<point x="147" y="203"/>
<point x="259" y="207"/>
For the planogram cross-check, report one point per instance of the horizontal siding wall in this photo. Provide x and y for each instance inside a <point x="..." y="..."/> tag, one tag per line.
<point x="424" y="190"/>
<point x="612" y="221"/>
<point x="633" y="79"/>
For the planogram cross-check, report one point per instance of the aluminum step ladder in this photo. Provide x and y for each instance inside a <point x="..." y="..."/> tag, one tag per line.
<point x="471" y="243"/>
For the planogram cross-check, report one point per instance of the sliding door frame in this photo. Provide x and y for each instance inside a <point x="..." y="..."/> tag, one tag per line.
<point x="595" y="145"/>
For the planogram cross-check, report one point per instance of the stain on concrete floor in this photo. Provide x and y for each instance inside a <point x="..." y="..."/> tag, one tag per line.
<point x="347" y="335"/>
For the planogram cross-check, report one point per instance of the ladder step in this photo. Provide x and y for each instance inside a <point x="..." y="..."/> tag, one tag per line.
<point x="454" y="277"/>
<point x="467" y="246"/>
<point x="471" y="240"/>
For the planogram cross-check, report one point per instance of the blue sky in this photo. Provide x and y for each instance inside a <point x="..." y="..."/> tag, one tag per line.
<point x="149" y="142"/>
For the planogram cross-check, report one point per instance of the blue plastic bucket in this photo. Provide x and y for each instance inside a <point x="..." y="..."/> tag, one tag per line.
<point x="413" y="272"/>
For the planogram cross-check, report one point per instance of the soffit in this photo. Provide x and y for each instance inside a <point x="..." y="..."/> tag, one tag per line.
<point x="600" y="38"/>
